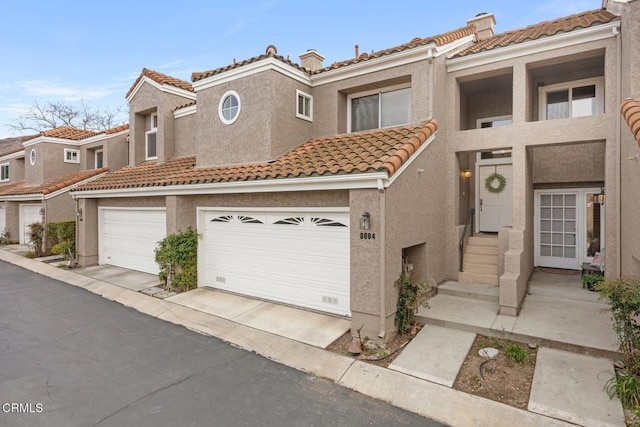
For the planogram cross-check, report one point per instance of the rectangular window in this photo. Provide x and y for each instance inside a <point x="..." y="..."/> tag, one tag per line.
<point x="151" y="151"/>
<point x="99" y="159"/>
<point x="71" y="156"/>
<point x="4" y="172"/>
<point x="304" y="106"/>
<point x="382" y="108"/>
<point x="574" y="99"/>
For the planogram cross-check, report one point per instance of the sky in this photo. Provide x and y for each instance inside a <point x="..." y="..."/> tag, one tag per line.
<point x="92" y="52"/>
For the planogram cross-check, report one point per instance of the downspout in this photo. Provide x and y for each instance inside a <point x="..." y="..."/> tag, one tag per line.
<point x="616" y="31"/>
<point x="43" y="214"/>
<point x="431" y="80"/>
<point x="383" y="310"/>
<point x="77" y="242"/>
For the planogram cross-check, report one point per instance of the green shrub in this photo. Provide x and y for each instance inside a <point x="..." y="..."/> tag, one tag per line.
<point x="411" y="296"/>
<point x="625" y="385"/>
<point x="180" y="252"/>
<point x="61" y="238"/>
<point x="36" y="237"/>
<point x="515" y="352"/>
<point x="591" y="280"/>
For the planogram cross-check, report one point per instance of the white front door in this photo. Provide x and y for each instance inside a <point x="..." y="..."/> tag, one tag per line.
<point x="569" y="227"/>
<point x="296" y="257"/>
<point x="28" y="215"/>
<point x="128" y="237"/>
<point x="494" y="205"/>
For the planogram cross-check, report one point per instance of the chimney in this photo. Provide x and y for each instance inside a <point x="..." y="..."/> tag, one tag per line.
<point x="484" y="22"/>
<point x="311" y="60"/>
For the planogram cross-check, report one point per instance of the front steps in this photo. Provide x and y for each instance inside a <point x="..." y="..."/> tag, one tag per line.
<point x="480" y="264"/>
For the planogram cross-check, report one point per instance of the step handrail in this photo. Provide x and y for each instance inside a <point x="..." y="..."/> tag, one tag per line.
<point x="467" y="226"/>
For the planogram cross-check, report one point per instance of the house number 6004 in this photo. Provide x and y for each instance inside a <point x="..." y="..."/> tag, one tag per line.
<point x="367" y="236"/>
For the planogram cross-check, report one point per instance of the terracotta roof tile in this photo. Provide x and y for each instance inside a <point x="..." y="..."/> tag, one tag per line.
<point x="162" y="79"/>
<point x="22" y="189"/>
<point x="630" y="110"/>
<point x="117" y="129"/>
<point x="380" y="150"/>
<point x="542" y="29"/>
<point x="188" y="104"/>
<point x="63" y="132"/>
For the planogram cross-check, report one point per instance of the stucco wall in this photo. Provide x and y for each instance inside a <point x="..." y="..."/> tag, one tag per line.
<point x="185" y="134"/>
<point x="115" y="151"/>
<point x="12" y="215"/>
<point x="49" y="162"/>
<point x="60" y="208"/>
<point x="569" y="163"/>
<point x="16" y="170"/>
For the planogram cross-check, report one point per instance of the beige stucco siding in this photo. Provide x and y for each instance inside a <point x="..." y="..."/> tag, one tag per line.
<point x="565" y="164"/>
<point x="185" y="134"/>
<point x="60" y="208"/>
<point x="50" y="162"/>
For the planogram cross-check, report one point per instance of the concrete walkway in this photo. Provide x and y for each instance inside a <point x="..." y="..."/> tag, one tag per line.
<point x="204" y="311"/>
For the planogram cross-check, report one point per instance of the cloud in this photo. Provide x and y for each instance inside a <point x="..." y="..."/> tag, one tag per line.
<point x="54" y="90"/>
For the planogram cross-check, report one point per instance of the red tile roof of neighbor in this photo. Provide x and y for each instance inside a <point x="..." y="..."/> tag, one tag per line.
<point x="117" y="129"/>
<point x="162" y="79"/>
<point x="271" y="51"/>
<point x="542" y="29"/>
<point x="51" y="186"/>
<point x="379" y="150"/>
<point x="630" y="110"/>
<point x="63" y="132"/>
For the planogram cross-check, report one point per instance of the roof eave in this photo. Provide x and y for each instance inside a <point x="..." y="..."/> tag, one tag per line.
<point x="167" y="88"/>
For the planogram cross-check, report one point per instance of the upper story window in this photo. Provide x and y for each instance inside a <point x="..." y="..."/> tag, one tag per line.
<point x="99" y="159"/>
<point x="4" y="172"/>
<point x="304" y="105"/>
<point x="572" y="99"/>
<point x="71" y="156"/>
<point x="150" y="145"/>
<point x="32" y="157"/>
<point x="380" y="108"/>
<point x="229" y="108"/>
<point x="493" y="122"/>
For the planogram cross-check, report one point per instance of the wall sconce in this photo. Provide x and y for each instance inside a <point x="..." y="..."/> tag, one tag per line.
<point x="599" y="198"/>
<point x="365" y="221"/>
<point x="466" y="173"/>
<point x="79" y="214"/>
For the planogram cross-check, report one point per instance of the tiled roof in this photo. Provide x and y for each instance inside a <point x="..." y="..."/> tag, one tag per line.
<point x="439" y="40"/>
<point x="21" y="189"/>
<point x="630" y="110"/>
<point x="543" y="29"/>
<point x="380" y="150"/>
<point x="188" y="104"/>
<point x="162" y="79"/>
<point x="117" y="129"/>
<point x="63" y="132"/>
<point x="15" y="150"/>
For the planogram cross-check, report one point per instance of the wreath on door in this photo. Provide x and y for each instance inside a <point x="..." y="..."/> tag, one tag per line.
<point x="493" y="179"/>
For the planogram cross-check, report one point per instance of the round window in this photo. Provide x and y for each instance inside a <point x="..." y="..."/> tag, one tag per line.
<point x="229" y="108"/>
<point x="32" y="157"/>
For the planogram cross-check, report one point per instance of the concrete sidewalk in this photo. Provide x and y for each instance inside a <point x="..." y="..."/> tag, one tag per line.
<point x="425" y="397"/>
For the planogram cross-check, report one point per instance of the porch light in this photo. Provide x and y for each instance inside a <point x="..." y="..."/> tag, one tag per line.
<point x="365" y="221"/>
<point x="599" y="198"/>
<point x="466" y="173"/>
<point x="79" y="214"/>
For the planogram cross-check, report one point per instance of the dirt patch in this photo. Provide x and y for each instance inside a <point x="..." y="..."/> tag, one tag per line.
<point x="376" y="356"/>
<point x="501" y="379"/>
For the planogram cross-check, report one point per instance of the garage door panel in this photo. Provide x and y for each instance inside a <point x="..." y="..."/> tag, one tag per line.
<point x="286" y="257"/>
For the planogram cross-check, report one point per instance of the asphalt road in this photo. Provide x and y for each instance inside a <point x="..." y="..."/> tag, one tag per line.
<point x="71" y="358"/>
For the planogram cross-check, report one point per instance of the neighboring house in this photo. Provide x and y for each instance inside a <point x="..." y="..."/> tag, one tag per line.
<point x="316" y="186"/>
<point x="35" y="179"/>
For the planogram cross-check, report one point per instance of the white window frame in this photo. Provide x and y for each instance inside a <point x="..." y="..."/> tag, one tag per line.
<point x="95" y="158"/>
<point x="373" y="92"/>
<point x="220" y="105"/>
<point x="4" y="177"/>
<point x="153" y="120"/>
<point x="69" y="155"/>
<point x="479" y="122"/>
<point x="543" y="90"/>
<point x="33" y="157"/>
<point x="301" y="97"/>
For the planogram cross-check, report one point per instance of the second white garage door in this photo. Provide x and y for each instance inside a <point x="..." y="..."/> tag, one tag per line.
<point x="299" y="258"/>
<point x="29" y="214"/>
<point x="128" y="237"/>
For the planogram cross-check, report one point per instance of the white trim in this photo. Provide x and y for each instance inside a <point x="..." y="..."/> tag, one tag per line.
<point x="303" y="95"/>
<point x="250" y="69"/>
<point x="2" y="165"/>
<point x="72" y="186"/>
<point x="24" y="197"/>
<point x="331" y="182"/>
<point x="33" y="157"/>
<point x="101" y="136"/>
<point x="442" y="50"/>
<point x="544" y="44"/>
<point x="152" y="130"/>
<point x="331" y="209"/>
<point x="598" y="82"/>
<point x="378" y="91"/>
<point x="164" y="88"/>
<point x="374" y="65"/>
<point x="71" y="151"/>
<point x="12" y="156"/>
<point x="95" y="157"/>
<point x="411" y="159"/>
<point x="226" y="95"/>
<point x="492" y="119"/>
<point x="186" y="111"/>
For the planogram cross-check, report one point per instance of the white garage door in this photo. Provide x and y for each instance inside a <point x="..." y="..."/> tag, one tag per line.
<point x="28" y="215"/>
<point x="3" y="215"/>
<point x="299" y="258"/>
<point x="128" y="237"/>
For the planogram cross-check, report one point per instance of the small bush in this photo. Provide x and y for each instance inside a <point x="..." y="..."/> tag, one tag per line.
<point x="625" y="385"/>
<point x="180" y="252"/>
<point x="61" y="238"/>
<point x="411" y="296"/>
<point x="515" y="352"/>
<point x="36" y="237"/>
